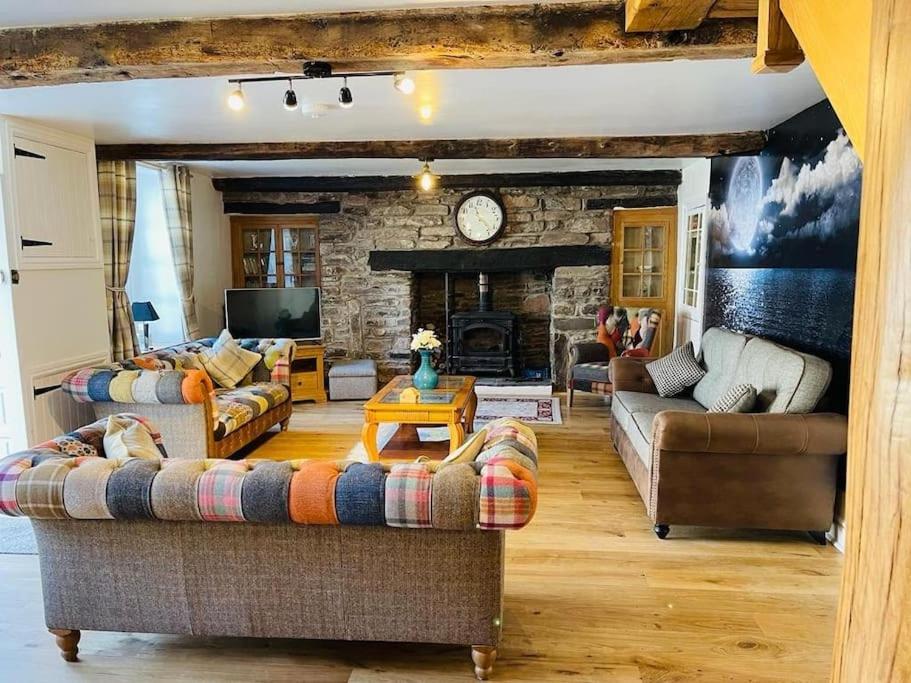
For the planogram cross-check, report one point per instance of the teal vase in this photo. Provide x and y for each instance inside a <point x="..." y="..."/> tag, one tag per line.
<point x="426" y="377"/>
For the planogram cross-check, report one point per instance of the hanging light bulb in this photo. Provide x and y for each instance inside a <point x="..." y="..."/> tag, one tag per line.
<point x="426" y="179"/>
<point x="345" y="100"/>
<point x="236" y="100"/>
<point x="290" y="100"/>
<point x="403" y="83"/>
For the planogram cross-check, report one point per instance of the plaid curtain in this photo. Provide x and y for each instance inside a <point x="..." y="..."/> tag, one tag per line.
<point x="117" y="207"/>
<point x="176" y="184"/>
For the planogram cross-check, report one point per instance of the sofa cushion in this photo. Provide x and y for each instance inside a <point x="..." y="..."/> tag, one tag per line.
<point x="636" y="411"/>
<point x="238" y="406"/>
<point x="740" y="398"/>
<point x="719" y="353"/>
<point x="786" y="381"/>
<point x="227" y="362"/>
<point x="676" y="371"/>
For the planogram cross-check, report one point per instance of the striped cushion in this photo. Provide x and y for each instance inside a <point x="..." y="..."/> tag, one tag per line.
<point x="227" y="363"/>
<point x="408" y="496"/>
<point x="509" y="495"/>
<point x="11" y="467"/>
<point x="218" y="492"/>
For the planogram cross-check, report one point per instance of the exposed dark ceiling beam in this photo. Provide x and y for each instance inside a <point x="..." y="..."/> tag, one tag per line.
<point x="390" y="40"/>
<point x="489" y="260"/>
<point x="461" y="181"/>
<point x="605" y="147"/>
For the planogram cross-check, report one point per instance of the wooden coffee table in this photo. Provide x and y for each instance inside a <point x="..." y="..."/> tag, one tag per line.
<point x="452" y="403"/>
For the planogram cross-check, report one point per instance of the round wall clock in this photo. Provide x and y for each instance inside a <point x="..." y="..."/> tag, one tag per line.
<point x="480" y="217"/>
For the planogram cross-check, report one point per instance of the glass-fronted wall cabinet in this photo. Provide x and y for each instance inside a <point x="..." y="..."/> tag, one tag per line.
<point x="275" y="251"/>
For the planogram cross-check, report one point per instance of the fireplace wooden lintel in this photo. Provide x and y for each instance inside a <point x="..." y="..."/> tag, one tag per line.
<point x="489" y="260"/>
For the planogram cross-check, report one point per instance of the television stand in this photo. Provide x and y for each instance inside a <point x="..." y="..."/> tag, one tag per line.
<point x="307" y="377"/>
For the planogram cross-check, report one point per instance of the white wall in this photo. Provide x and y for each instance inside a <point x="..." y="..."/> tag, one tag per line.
<point x="692" y="196"/>
<point x="211" y="253"/>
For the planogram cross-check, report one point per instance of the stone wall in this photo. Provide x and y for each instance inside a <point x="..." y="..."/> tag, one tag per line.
<point x="370" y="314"/>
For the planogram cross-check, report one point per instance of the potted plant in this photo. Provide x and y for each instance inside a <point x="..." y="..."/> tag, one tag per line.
<point x="424" y="342"/>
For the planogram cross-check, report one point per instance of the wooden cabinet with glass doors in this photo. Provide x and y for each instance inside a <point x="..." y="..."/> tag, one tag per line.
<point x="275" y="252"/>
<point x="644" y="266"/>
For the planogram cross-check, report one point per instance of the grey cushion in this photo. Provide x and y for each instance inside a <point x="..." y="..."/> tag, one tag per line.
<point x="353" y="368"/>
<point x="635" y="413"/>
<point x="593" y="372"/>
<point x="786" y="381"/>
<point x="719" y="353"/>
<point x="740" y="398"/>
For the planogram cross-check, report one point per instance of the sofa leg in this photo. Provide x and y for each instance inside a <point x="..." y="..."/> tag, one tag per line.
<point x="67" y="641"/>
<point x="483" y="657"/>
<point x="662" y="530"/>
<point x="284" y="424"/>
<point x="819" y="537"/>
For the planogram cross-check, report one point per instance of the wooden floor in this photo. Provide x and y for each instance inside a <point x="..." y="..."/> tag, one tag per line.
<point x="591" y="594"/>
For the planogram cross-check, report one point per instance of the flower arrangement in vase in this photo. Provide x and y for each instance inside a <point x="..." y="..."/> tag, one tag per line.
<point x="424" y="342"/>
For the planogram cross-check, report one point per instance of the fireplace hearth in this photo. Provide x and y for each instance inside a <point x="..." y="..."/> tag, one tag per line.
<point x="484" y="342"/>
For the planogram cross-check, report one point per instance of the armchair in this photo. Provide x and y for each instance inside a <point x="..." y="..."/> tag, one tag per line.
<point x="589" y="362"/>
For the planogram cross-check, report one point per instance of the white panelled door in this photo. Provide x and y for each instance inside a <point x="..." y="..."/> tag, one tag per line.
<point x="52" y="302"/>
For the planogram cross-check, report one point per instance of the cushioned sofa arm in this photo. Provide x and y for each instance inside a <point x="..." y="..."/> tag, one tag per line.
<point x="758" y="434"/>
<point x="588" y="352"/>
<point x="629" y="374"/>
<point x="118" y="385"/>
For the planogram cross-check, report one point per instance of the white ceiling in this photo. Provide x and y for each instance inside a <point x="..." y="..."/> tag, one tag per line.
<point x="619" y="99"/>
<point x="50" y="12"/>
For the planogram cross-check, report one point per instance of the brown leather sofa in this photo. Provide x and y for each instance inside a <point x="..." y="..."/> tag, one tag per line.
<point x="774" y="468"/>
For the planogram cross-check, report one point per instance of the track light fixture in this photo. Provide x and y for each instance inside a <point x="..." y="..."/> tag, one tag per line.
<point x="290" y="99"/>
<point x="402" y="82"/>
<point x="345" y="100"/>
<point x="236" y="100"/>
<point x="427" y="180"/>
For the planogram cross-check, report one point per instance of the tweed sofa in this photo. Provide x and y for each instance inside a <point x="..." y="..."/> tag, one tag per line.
<point x="774" y="468"/>
<point x="171" y="387"/>
<point x="296" y="549"/>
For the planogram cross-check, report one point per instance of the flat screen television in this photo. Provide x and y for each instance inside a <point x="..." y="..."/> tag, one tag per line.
<point x="274" y="312"/>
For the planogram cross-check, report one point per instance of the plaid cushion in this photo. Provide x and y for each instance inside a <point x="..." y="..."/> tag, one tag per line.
<point x="76" y="384"/>
<point x="240" y="405"/>
<point x="218" y="492"/>
<point x="227" y="363"/>
<point x="509" y="495"/>
<point x="11" y="467"/>
<point x="39" y="490"/>
<point x="408" y="496"/>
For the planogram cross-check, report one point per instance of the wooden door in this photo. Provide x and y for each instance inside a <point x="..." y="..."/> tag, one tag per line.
<point x="275" y="251"/>
<point x="644" y="266"/>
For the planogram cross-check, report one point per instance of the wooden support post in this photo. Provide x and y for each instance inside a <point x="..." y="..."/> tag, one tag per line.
<point x="666" y="15"/>
<point x="873" y="632"/>
<point x="777" y="49"/>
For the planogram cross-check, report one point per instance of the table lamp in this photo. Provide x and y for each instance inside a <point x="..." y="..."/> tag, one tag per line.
<point x="144" y="312"/>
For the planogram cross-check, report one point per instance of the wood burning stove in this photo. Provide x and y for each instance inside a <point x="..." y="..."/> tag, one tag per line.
<point x="484" y="341"/>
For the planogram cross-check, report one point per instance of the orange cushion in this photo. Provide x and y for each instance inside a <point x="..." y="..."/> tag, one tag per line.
<point x="606" y="339"/>
<point x="311" y="499"/>
<point x="196" y="386"/>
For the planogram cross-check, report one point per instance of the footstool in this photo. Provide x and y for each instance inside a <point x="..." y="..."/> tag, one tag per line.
<point x="351" y="379"/>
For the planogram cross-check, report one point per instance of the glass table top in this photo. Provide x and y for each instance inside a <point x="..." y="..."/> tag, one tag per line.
<point x="445" y="393"/>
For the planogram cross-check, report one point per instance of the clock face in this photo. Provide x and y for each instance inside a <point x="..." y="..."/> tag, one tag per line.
<point x="480" y="217"/>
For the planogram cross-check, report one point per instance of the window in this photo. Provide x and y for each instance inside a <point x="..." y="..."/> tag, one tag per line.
<point x="693" y="259"/>
<point x="152" y="276"/>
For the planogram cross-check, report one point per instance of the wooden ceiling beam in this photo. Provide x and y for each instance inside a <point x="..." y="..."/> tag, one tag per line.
<point x="666" y="15"/>
<point x="623" y="147"/>
<point x="675" y="15"/>
<point x="442" y="38"/>
<point x="777" y="49"/>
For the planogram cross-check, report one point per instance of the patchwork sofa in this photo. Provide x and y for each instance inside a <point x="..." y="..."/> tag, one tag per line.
<point x="171" y="387"/>
<point x="773" y="468"/>
<point x="295" y="549"/>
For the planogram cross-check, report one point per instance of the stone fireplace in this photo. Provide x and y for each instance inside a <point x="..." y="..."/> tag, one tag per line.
<point x="370" y="309"/>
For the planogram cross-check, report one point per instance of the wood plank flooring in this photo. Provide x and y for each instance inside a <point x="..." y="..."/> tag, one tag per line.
<point x="591" y="594"/>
